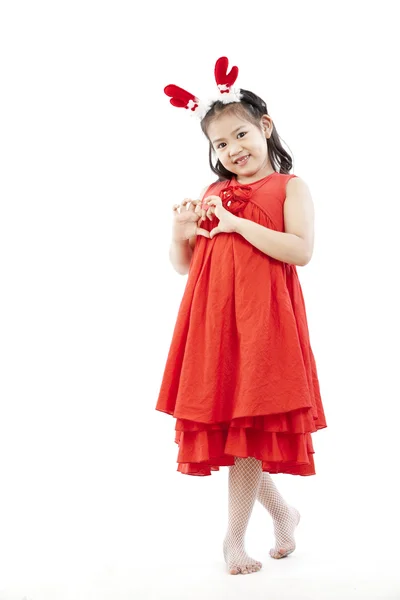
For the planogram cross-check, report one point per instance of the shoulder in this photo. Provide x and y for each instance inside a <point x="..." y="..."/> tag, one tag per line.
<point x="294" y="184"/>
<point x="297" y="192"/>
<point x="203" y="191"/>
<point x="216" y="185"/>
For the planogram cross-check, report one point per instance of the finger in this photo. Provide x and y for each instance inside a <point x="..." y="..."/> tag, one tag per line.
<point x="189" y="204"/>
<point x="175" y="207"/>
<point x="203" y="232"/>
<point x="193" y="205"/>
<point x="200" y="211"/>
<point x="208" y="211"/>
<point x="214" y="232"/>
<point x="214" y="200"/>
<point x="204" y="208"/>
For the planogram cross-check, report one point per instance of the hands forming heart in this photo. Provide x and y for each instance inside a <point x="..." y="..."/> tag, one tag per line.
<point x="189" y="215"/>
<point x="212" y="205"/>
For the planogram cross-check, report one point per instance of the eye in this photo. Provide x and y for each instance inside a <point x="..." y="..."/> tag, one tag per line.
<point x="240" y="133"/>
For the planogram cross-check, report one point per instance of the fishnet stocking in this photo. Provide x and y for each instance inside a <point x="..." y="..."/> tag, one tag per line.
<point x="285" y="517"/>
<point x="244" y="480"/>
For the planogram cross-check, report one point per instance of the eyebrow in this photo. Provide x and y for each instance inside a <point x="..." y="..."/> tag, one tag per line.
<point x="220" y="139"/>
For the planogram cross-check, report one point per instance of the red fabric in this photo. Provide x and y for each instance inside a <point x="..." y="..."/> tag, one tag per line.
<point x="222" y="77"/>
<point x="180" y="97"/>
<point x="240" y="376"/>
<point x="234" y="198"/>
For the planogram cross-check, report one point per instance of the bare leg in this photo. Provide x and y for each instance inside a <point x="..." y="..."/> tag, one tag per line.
<point x="244" y="480"/>
<point x="285" y="517"/>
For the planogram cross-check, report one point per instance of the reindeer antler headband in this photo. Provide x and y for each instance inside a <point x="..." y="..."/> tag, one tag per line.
<point x="183" y="99"/>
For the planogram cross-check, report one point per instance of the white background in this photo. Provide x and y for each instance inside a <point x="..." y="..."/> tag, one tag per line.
<point x="93" y="157"/>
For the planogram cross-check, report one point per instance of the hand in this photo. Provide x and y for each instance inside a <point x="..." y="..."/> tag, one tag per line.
<point x="212" y="205"/>
<point x="186" y="221"/>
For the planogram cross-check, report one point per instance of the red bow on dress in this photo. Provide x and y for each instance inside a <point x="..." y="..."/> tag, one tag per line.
<point x="234" y="198"/>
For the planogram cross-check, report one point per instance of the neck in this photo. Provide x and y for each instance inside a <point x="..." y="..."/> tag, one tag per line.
<point x="256" y="177"/>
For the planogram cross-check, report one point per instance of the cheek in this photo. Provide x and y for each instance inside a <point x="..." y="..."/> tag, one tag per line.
<point x="223" y="160"/>
<point x="261" y="147"/>
<point x="221" y="155"/>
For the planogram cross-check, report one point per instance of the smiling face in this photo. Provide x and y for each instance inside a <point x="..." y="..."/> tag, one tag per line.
<point x="241" y="146"/>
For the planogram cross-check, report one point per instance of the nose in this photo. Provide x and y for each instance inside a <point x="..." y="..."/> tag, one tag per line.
<point x="236" y="149"/>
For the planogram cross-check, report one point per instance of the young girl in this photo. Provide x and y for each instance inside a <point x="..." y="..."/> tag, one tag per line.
<point x="240" y="376"/>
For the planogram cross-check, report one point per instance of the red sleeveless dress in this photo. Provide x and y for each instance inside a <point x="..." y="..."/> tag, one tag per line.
<point x="240" y="377"/>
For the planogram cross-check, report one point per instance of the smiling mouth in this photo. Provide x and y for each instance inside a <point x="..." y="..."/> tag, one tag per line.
<point x="242" y="160"/>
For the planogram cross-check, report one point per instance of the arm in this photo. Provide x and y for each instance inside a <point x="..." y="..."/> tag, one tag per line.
<point x="295" y="245"/>
<point x="180" y="253"/>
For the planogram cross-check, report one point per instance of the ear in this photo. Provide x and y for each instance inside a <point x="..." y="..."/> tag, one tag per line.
<point x="267" y="125"/>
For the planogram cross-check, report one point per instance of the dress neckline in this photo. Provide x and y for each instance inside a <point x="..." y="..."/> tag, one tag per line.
<point x="236" y="182"/>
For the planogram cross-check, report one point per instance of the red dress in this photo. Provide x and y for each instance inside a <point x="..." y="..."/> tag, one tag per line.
<point x="240" y="376"/>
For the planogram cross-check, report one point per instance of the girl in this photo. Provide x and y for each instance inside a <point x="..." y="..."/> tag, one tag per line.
<point x="240" y="376"/>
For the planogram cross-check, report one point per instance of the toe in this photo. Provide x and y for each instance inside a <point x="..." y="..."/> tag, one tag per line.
<point x="281" y="553"/>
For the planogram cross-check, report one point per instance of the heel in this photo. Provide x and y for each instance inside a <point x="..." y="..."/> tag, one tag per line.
<point x="297" y="515"/>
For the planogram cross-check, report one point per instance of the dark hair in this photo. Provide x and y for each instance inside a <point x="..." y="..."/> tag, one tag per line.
<point x="252" y="108"/>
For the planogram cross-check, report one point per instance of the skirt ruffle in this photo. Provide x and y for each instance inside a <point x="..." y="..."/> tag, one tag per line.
<point x="282" y="442"/>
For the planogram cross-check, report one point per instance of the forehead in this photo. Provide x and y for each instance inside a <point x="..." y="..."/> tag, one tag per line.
<point x="225" y="124"/>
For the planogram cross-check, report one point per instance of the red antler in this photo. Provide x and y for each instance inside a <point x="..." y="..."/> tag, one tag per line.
<point x="224" y="79"/>
<point x="181" y="98"/>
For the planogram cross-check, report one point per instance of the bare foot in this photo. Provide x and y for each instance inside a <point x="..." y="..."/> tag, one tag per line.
<point x="237" y="560"/>
<point x="284" y="533"/>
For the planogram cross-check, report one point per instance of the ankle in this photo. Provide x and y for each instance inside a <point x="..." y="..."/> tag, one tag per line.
<point x="283" y="512"/>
